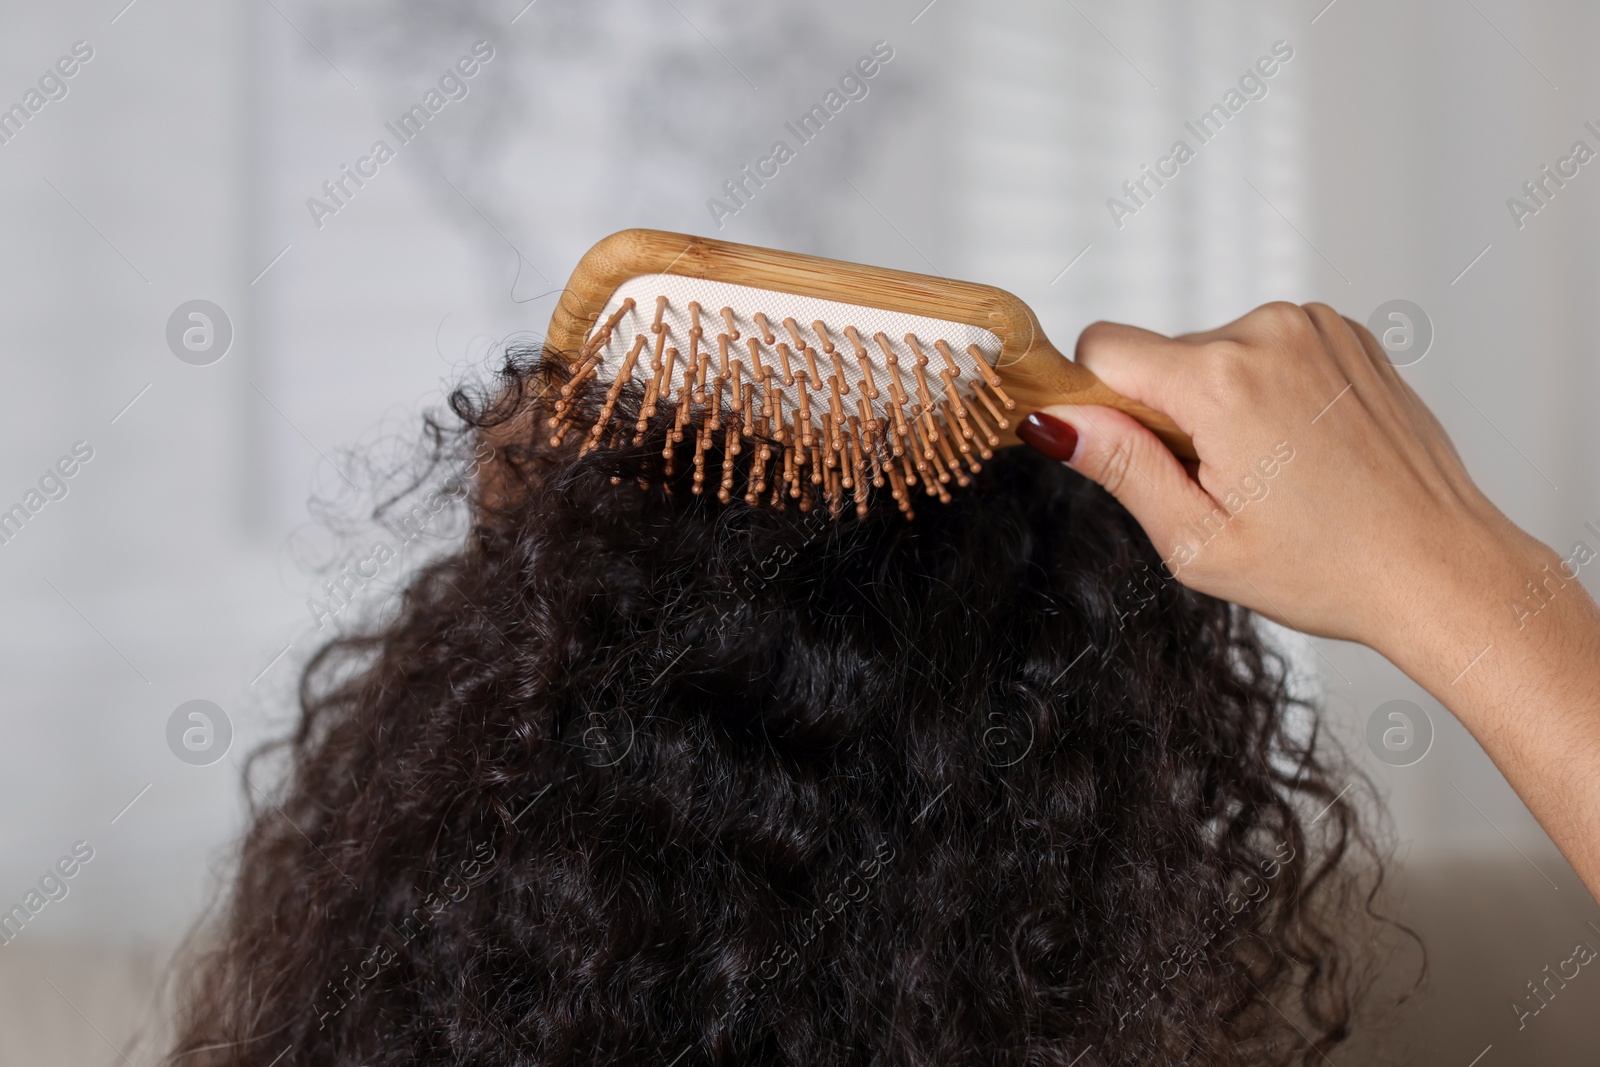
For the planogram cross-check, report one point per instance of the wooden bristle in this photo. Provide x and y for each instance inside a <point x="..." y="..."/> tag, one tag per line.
<point x="685" y="391"/>
<point x="916" y="349"/>
<point x="730" y="450"/>
<point x="985" y="431"/>
<point x="932" y="440"/>
<point x="652" y="392"/>
<point x="831" y="491"/>
<point x="765" y="327"/>
<point x="941" y="478"/>
<point x="804" y="414"/>
<point x="702" y="441"/>
<point x="959" y="409"/>
<point x="836" y="408"/>
<point x="756" y="483"/>
<point x="788" y="472"/>
<point x="999" y="418"/>
<point x="897" y="390"/>
<point x="780" y="430"/>
<point x="924" y="396"/>
<point x="918" y="450"/>
<point x="579" y="376"/>
<point x="986" y="372"/>
<point x="949" y="357"/>
<point x="907" y="466"/>
<point x="902" y="496"/>
<point x="769" y="403"/>
<point x="759" y="369"/>
<point x="858" y="466"/>
<point x="872" y="456"/>
<point x="838" y="371"/>
<point x="868" y="386"/>
<point x="603" y="336"/>
<point x="624" y="376"/>
<point x="820" y="328"/>
<point x="664" y="379"/>
<point x="965" y="447"/>
<point x="1005" y="401"/>
<point x="811" y="365"/>
<point x="714" y="403"/>
<point x="783" y="356"/>
<point x="951" y="463"/>
<point x="794" y="332"/>
<point x="841" y="435"/>
<point x="990" y="376"/>
<point x="747" y="415"/>
<point x="702" y="365"/>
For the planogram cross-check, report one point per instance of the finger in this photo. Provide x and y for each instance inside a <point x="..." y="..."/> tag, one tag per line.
<point x="1399" y="412"/>
<point x="1246" y="328"/>
<point x="1142" y="365"/>
<point x="1376" y="384"/>
<point x="1372" y="387"/>
<point x="1372" y="346"/>
<point x="1434" y="436"/>
<point x="1127" y="460"/>
<point x="1379" y="359"/>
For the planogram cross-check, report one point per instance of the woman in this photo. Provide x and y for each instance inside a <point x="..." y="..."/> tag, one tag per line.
<point x="637" y="777"/>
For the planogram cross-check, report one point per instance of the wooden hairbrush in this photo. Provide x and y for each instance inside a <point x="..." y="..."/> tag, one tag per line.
<point x="840" y="376"/>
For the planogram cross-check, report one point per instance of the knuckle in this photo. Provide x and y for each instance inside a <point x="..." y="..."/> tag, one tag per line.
<point x="1114" y="468"/>
<point x="1282" y="325"/>
<point x="1281" y="316"/>
<point x="1229" y="367"/>
<point x="1115" y="472"/>
<point x="1094" y="338"/>
<point x="1099" y="329"/>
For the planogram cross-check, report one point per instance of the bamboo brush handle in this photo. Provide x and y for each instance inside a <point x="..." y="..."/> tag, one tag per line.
<point x="1044" y="376"/>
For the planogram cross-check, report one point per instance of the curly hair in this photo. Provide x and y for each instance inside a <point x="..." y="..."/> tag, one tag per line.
<point x="633" y="775"/>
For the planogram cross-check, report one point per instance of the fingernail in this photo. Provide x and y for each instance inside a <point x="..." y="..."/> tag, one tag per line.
<point x="1049" y="435"/>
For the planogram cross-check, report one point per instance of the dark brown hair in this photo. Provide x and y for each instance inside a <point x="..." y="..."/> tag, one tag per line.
<point x="636" y="776"/>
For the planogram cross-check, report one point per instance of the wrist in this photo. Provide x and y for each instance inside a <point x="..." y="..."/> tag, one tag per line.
<point x="1480" y="589"/>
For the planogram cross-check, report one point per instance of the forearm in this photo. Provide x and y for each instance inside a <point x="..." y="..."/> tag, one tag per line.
<point x="1513" y="650"/>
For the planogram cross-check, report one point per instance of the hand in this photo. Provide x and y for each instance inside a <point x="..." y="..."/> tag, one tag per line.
<point x="1326" y="496"/>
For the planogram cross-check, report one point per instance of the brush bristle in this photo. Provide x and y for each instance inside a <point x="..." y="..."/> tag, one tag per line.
<point x="831" y="403"/>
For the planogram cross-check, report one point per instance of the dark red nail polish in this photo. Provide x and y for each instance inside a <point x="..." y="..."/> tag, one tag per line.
<point x="1049" y="435"/>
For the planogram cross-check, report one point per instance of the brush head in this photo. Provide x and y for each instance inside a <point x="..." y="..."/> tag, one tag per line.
<point x="795" y="379"/>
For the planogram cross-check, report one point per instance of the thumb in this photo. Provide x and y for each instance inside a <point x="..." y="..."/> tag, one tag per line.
<point x="1127" y="460"/>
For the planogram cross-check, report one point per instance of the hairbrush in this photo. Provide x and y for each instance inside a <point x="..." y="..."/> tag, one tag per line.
<point x="841" y="378"/>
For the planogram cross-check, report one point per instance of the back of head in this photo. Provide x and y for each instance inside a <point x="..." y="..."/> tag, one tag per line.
<point x="637" y="776"/>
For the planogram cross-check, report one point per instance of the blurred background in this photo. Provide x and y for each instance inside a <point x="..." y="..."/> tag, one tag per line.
<point x="185" y="157"/>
